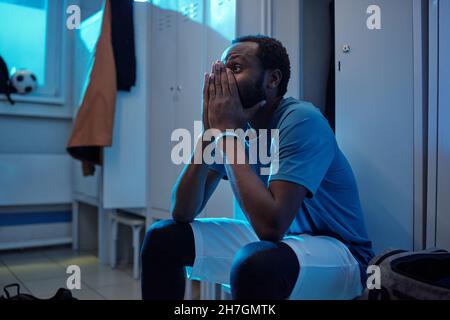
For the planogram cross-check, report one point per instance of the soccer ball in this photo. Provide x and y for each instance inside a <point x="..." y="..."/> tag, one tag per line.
<point x="24" y="81"/>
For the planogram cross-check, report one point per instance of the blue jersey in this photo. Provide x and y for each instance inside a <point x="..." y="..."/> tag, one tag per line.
<point x="307" y="154"/>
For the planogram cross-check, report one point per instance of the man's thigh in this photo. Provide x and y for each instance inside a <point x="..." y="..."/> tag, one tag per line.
<point x="328" y="270"/>
<point x="217" y="240"/>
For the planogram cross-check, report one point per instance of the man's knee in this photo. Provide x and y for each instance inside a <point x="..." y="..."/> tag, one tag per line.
<point x="261" y="268"/>
<point x="165" y="237"/>
<point x="154" y="238"/>
<point x="250" y="265"/>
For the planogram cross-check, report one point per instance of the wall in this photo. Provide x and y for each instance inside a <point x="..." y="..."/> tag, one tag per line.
<point x="31" y="131"/>
<point x="23" y="135"/>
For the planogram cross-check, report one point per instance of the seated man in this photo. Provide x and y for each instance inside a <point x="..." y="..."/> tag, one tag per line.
<point x="304" y="237"/>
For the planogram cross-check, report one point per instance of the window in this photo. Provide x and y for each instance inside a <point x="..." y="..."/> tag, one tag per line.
<point x="222" y="17"/>
<point x="31" y="38"/>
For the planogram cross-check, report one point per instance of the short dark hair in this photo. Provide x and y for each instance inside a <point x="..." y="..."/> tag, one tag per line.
<point x="273" y="55"/>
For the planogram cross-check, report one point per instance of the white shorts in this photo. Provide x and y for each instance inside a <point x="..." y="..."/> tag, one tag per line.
<point x="328" y="271"/>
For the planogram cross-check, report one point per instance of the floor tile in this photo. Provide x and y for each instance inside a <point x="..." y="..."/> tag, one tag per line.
<point x="36" y="269"/>
<point x="106" y="278"/>
<point x="87" y="261"/>
<point x="128" y="291"/>
<point x="128" y="269"/>
<point x="5" y="275"/>
<point x="62" y="253"/>
<point x="84" y="262"/>
<point x="42" y="271"/>
<point x="20" y="256"/>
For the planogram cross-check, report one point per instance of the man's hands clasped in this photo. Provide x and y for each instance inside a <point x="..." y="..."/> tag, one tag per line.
<point x="222" y="107"/>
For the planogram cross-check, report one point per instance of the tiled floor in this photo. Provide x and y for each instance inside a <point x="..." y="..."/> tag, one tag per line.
<point x="42" y="271"/>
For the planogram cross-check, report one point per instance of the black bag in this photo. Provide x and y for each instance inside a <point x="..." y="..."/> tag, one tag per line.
<point x="419" y="275"/>
<point x="61" y="294"/>
<point x="6" y="87"/>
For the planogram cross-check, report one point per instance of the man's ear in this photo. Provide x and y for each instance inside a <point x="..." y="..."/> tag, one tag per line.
<point x="275" y="77"/>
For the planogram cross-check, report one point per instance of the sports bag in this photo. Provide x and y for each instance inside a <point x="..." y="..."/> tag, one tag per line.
<point x="61" y="294"/>
<point x="5" y="83"/>
<point x="406" y="275"/>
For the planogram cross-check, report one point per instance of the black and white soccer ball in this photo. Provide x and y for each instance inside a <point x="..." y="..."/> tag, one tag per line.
<point x="24" y="81"/>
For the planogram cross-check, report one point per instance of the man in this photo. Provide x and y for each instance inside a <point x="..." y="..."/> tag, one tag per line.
<point x="304" y="237"/>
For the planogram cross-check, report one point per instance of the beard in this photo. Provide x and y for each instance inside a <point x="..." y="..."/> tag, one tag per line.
<point x="251" y="94"/>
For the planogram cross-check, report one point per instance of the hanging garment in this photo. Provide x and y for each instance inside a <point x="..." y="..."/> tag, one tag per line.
<point x="93" y="125"/>
<point x="122" y="31"/>
<point x="114" y="68"/>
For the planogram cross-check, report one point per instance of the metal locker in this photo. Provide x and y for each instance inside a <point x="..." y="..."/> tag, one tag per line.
<point x="125" y="161"/>
<point x="376" y="106"/>
<point x="162" y="105"/>
<point x="443" y="151"/>
<point x="220" y="30"/>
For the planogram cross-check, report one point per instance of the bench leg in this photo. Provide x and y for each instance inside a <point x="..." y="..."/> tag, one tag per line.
<point x="225" y="294"/>
<point x="136" y="251"/>
<point x="113" y="245"/>
<point x="207" y="291"/>
<point x="75" y="225"/>
<point x="188" y="290"/>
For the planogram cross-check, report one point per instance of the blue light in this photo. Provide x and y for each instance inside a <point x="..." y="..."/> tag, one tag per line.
<point x="90" y="30"/>
<point x="188" y="8"/>
<point x="23" y="31"/>
<point x="222" y="17"/>
<point x="88" y="34"/>
<point x="166" y="4"/>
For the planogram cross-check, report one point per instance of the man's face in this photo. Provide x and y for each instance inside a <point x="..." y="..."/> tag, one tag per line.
<point x="241" y="59"/>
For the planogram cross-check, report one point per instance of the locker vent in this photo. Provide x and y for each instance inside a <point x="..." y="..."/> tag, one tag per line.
<point x="190" y="11"/>
<point x="221" y="2"/>
<point x="164" y="22"/>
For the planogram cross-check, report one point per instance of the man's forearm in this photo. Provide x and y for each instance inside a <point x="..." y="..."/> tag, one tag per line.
<point x="255" y="199"/>
<point x="188" y="192"/>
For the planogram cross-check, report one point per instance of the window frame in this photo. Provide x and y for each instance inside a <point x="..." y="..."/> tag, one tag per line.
<point x="54" y="92"/>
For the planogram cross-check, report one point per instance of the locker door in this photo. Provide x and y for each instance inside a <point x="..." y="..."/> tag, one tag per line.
<point x="443" y="176"/>
<point x="188" y="94"/>
<point x="220" y="30"/>
<point x="162" y="113"/>
<point x="124" y="178"/>
<point x="190" y="57"/>
<point x="374" y="114"/>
